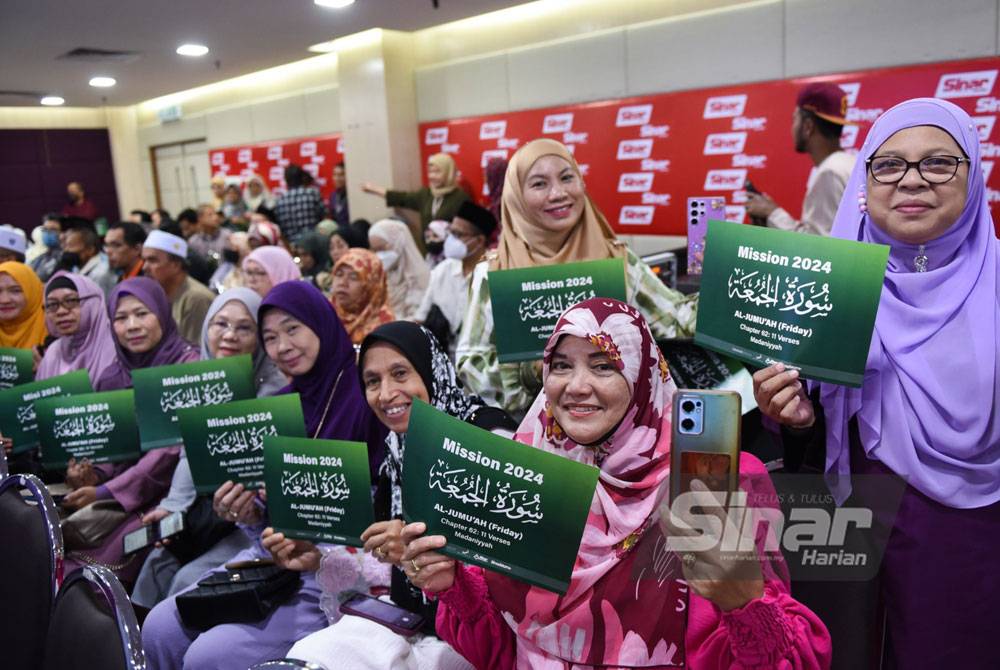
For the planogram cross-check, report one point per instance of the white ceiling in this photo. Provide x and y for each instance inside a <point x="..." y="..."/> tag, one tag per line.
<point x="243" y="35"/>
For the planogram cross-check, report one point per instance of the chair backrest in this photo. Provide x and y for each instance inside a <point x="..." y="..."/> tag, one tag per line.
<point x="4" y="470"/>
<point x="31" y="554"/>
<point x="287" y="664"/>
<point x="93" y="625"/>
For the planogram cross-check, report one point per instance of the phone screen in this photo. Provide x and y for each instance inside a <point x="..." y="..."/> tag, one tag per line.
<point x="385" y="612"/>
<point x="712" y="469"/>
<point x="171" y="525"/>
<point x="137" y="540"/>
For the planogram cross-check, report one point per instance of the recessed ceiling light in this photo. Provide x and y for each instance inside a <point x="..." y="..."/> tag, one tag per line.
<point x="334" y="4"/>
<point x="103" y="82"/>
<point x="52" y="101"/>
<point x="192" y="50"/>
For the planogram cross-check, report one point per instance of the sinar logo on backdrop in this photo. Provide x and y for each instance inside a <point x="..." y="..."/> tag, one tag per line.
<point x="317" y="156"/>
<point x="709" y="141"/>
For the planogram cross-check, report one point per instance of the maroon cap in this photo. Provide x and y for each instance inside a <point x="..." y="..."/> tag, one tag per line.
<point x="825" y="100"/>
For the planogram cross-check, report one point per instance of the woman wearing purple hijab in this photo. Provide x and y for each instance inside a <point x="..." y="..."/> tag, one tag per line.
<point x="145" y="336"/>
<point x="928" y="408"/>
<point x="303" y="336"/>
<point x="76" y="314"/>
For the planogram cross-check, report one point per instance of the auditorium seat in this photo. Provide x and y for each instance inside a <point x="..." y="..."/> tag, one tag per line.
<point x="288" y="664"/>
<point x="31" y="554"/>
<point x="93" y="625"/>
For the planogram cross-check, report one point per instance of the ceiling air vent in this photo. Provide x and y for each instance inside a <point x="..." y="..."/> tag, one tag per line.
<point x="91" y="55"/>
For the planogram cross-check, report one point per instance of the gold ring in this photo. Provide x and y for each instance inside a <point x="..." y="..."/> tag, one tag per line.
<point x="413" y="564"/>
<point x="380" y="551"/>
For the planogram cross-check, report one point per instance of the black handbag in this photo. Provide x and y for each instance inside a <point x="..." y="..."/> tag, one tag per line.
<point x="246" y="593"/>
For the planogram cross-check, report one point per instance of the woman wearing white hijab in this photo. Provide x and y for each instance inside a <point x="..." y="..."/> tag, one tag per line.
<point x="405" y="269"/>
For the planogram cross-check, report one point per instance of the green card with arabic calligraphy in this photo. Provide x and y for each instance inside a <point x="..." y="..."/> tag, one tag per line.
<point x="15" y="367"/>
<point x="808" y="301"/>
<point x="18" y="419"/>
<point x="318" y="490"/>
<point x="161" y="391"/>
<point x="505" y="506"/>
<point x="226" y="442"/>
<point x="527" y="302"/>
<point x="98" y="426"/>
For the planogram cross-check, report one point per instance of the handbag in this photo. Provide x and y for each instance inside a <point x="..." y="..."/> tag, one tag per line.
<point x="87" y="527"/>
<point x="245" y="593"/>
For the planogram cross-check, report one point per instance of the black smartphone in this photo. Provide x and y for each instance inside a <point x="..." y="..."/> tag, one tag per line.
<point x="170" y="525"/>
<point x="393" y="617"/>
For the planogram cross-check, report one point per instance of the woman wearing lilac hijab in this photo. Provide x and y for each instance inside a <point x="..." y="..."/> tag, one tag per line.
<point x="145" y="335"/>
<point x="928" y="408"/>
<point x="76" y="314"/>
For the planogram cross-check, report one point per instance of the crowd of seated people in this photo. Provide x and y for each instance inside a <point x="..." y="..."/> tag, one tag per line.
<point x="362" y="319"/>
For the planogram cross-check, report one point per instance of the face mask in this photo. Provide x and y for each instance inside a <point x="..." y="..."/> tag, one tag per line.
<point x="70" y="261"/>
<point x="388" y="258"/>
<point x="50" y="238"/>
<point x="435" y="248"/>
<point x="231" y="256"/>
<point x="455" y="248"/>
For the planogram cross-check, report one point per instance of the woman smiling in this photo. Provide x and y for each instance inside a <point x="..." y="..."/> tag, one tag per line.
<point x="927" y="410"/>
<point x="549" y="219"/>
<point x="76" y="314"/>
<point x="606" y="402"/>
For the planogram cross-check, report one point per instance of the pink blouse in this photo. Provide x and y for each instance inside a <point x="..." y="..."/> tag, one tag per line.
<point x="774" y="631"/>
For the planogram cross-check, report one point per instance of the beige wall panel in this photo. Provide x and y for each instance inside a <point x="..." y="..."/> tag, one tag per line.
<point x="278" y="119"/>
<point x="824" y="36"/>
<point x="229" y="126"/>
<point x="463" y="88"/>
<point x="322" y="111"/>
<point x="589" y="68"/>
<point x="706" y="49"/>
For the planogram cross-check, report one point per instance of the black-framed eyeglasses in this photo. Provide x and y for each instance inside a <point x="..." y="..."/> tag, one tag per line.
<point x="932" y="169"/>
<point x="69" y="303"/>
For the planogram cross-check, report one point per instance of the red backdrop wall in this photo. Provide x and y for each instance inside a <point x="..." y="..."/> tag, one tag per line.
<point x="318" y="155"/>
<point x="643" y="157"/>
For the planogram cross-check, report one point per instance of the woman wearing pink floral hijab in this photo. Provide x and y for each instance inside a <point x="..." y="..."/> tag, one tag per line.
<point x="630" y="603"/>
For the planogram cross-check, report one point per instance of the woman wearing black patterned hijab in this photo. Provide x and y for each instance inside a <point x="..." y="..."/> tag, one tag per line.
<point x="398" y="362"/>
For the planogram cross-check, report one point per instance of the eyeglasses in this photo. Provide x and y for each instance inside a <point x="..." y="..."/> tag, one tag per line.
<point x="69" y="303"/>
<point x="240" y="330"/>
<point x="933" y="169"/>
<point x="257" y="274"/>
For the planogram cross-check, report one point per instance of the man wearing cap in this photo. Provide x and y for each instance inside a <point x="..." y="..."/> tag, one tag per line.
<point x="13" y="244"/>
<point x="164" y="258"/>
<point x="444" y="304"/>
<point x="816" y="127"/>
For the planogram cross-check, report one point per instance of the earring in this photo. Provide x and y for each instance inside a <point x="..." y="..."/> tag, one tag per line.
<point x="862" y="200"/>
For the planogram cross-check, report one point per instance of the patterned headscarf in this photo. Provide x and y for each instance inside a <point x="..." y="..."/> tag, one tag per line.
<point x="372" y="310"/>
<point x="436" y="370"/>
<point x="605" y="617"/>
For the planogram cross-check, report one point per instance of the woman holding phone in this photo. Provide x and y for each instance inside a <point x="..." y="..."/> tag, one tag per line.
<point x="927" y="409"/>
<point x="606" y="402"/>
